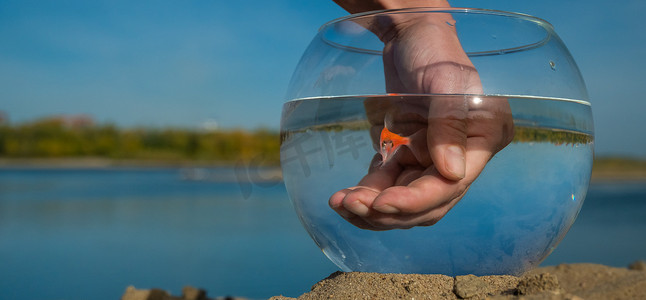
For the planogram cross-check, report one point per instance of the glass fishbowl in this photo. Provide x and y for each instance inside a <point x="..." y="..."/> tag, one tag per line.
<point x="429" y="140"/>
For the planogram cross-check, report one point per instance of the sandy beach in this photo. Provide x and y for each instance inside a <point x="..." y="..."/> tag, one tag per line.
<point x="566" y="281"/>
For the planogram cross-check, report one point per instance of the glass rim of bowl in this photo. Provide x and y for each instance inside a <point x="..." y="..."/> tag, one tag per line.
<point x="541" y="22"/>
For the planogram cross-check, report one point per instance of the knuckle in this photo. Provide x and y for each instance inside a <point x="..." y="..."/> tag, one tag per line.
<point x="449" y="128"/>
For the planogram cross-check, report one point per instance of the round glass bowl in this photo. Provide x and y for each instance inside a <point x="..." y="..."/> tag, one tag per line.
<point x="527" y="103"/>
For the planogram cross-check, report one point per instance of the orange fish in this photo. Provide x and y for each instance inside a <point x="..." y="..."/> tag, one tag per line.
<point x="389" y="142"/>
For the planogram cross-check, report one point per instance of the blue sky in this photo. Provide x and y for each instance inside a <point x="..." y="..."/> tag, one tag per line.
<point x="183" y="62"/>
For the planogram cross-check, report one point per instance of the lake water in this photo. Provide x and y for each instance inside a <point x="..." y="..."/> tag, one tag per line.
<point x="89" y="233"/>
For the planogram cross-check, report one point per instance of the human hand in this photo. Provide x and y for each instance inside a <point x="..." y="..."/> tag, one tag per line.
<point x="451" y="137"/>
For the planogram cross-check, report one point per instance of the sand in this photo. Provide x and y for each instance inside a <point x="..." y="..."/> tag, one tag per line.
<point x="567" y="281"/>
<point x="573" y="281"/>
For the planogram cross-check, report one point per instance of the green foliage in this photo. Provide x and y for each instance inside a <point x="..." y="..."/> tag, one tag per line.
<point x="533" y="134"/>
<point x="52" y="138"/>
<point x="619" y="164"/>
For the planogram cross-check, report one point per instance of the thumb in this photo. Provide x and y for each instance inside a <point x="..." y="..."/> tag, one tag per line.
<point x="447" y="135"/>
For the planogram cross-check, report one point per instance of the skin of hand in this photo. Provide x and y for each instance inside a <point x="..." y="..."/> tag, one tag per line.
<point x="452" y="139"/>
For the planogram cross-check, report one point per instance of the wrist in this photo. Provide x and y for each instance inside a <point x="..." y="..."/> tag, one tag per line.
<point x="357" y="6"/>
<point x="397" y="4"/>
<point x="389" y="26"/>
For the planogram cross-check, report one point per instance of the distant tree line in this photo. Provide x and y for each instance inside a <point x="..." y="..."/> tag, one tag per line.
<point x="54" y="138"/>
<point x="532" y="134"/>
<point x="58" y="138"/>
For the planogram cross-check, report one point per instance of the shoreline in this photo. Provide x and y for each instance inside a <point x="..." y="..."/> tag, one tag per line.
<point x="618" y="176"/>
<point x="599" y="174"/>
<point x="98" y="163"/>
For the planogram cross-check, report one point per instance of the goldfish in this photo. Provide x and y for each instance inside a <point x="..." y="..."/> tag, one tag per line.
<point x="389" y="142"/>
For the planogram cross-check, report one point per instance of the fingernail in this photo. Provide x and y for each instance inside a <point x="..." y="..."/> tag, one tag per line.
<point x="358" y="208"/>
<point x="387" y="209"/>
<point x="455" y="161"/>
